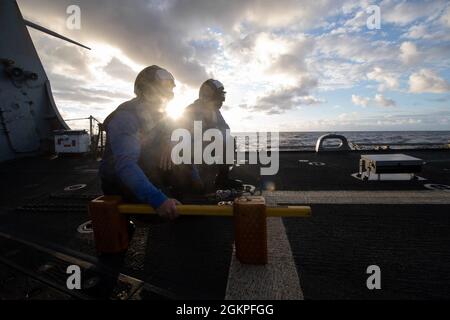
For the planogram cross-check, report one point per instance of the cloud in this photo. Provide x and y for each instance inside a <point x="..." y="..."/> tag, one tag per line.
<point x="206" y="48"/>
<point x="405" y="12"/>
<point x="445" y="19"/>
<point x="80" y="84"/>
<point x="360" y="101"/>
<point x="335" y="75"/>
<point x="310" y="100"/>
<point x="285" y="70"/>
<point x="387" y="80"/>
<point x="417" y="32"/>
<point x="144" y="33"/>
<point x="361" y="122"/>
<point x="162" y="32"/>
<point x="409" y="54"/>
<point x="243" y="46"/>
<point x="379" y="99"/>
<point x="355" y="48"/>
<point x="384" y="102"/>
<point x="280" y="101"/>
<point x="272" y="56"/>
<point x="61" y="56"/>
<point x="294" y="61"/>
<point x="117" y="69"/>
<point x="357" y="22"/>
<point x="427" y="81"/>
<point x="343" y="61"/>
<point x="76" y="90"/>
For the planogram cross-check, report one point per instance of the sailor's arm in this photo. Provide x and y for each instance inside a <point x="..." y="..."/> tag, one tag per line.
<point x="124" y="136"/>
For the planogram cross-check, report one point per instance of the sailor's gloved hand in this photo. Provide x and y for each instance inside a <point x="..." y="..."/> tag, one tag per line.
<point x="169" y="209"/>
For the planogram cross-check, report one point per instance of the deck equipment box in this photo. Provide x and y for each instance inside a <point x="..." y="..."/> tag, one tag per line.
<point x="72" y="141"/>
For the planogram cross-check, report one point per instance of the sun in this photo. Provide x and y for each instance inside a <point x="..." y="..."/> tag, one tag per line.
<point x="183" y="98"/>
<point x="175" y="109"/>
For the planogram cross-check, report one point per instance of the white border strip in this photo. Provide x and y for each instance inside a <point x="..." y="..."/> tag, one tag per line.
<point x="278" y="280"/>
<point x="358" y="197"/>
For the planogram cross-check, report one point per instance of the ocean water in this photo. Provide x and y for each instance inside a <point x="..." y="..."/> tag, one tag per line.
<point x="365" y="140"/>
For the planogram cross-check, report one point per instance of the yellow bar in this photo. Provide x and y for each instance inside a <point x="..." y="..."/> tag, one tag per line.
<point x="215" y="211"/>
<point x="288" y="211"/>
<point x="188" y="210"/>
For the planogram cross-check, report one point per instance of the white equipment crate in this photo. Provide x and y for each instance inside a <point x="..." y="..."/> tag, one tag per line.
<point x="72" y="141"/>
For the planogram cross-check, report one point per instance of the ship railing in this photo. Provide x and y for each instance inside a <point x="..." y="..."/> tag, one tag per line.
<point x="96" y="134"/>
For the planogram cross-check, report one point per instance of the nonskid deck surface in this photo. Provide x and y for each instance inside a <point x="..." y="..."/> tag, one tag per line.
<point x="310" y="171"/>
<point x="191" y="257"/>
<point x="410" y="244"/>
<point x="47" y="265"/>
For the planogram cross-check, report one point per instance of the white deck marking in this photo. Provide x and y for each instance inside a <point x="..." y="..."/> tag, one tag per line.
<point x="358" y="197"/>
<point x="276" y="281"/>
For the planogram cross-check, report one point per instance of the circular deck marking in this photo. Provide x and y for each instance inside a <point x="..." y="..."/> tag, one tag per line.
<point x="91" y="283"/>
<point x="85" y="228"/>
<point x="46" y="267"/>
<point x="75" y="187"/>
<point x="249" y="188"/>
<point x="440" y="187"/>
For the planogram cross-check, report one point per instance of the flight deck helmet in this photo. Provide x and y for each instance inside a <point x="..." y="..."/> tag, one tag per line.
<point x="155" y="83"/>
<point x="213" y="90"/>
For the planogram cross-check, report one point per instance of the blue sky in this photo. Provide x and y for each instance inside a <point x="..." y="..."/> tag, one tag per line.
<point x="288" y="65"/>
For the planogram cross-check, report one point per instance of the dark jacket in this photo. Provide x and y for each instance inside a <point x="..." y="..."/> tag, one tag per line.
<point x="198" y="112"/>
<point x="133" y="127"/>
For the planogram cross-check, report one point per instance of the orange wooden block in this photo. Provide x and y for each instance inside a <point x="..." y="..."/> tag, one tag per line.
<point x="250" y="225"/>
<point x="110" y="227"/>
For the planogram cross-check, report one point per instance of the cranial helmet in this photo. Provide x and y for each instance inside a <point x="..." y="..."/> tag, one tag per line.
<point x="156" y="78"/>
<point x="212" y="90"/>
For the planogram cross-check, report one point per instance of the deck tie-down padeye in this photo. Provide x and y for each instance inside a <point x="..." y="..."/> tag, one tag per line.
<point x="110" y="223"/>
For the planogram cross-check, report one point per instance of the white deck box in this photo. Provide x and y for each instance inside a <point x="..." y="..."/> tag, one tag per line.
<point x="72" y="141"/>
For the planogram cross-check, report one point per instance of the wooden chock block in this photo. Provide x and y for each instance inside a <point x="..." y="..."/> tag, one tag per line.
<point x="109" y="225"/>
<point x="250" y="226"/>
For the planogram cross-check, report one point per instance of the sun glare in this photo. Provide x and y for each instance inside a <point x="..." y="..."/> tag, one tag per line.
<point x="175" y="109"/>
<point x="183" y="98"/>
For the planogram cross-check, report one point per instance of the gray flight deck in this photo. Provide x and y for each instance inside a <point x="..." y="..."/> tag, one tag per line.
<point x="407" y="237"/>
